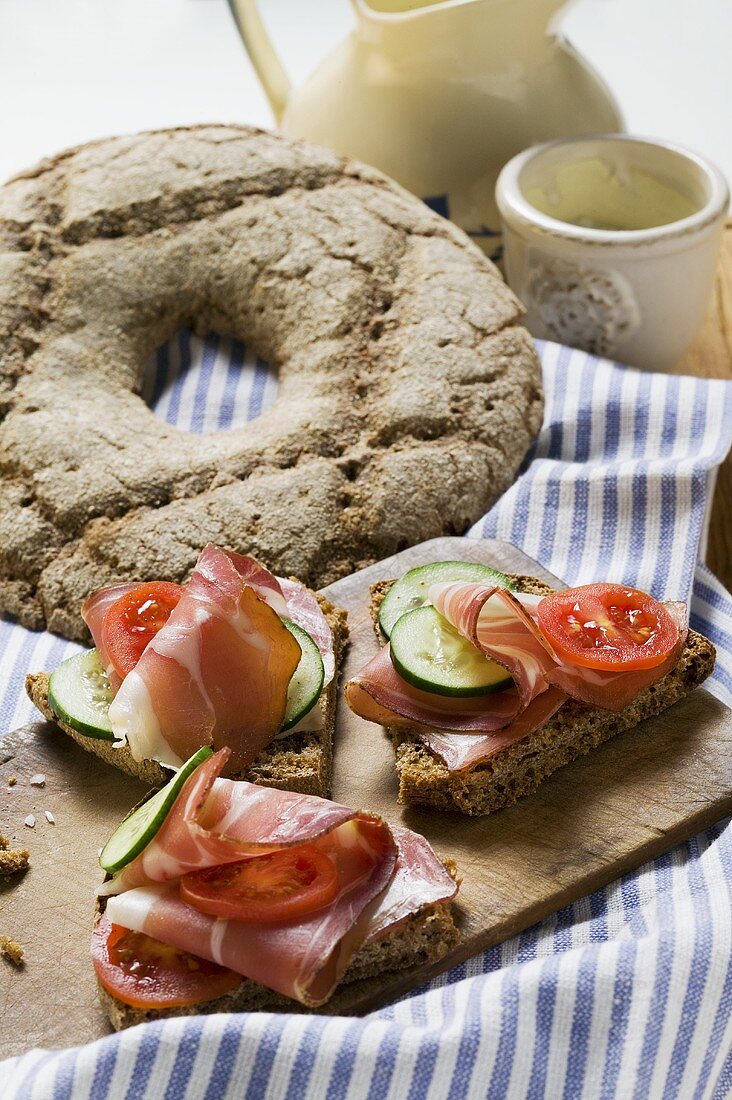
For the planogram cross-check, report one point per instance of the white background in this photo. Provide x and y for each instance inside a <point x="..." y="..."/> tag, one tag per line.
<point x="71" y="70"/>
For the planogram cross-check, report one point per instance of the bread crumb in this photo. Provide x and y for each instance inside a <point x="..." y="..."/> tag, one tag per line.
<point x="38" y="780"/>
<point x="30" y="821"/>
<point x="4" y="843"/>
<point x="13" y="861"/>
<point x="11" y="950"/>
<point x="452" y="869"/>
<point x="12" y="780"/>
<point x="49" y="817"/>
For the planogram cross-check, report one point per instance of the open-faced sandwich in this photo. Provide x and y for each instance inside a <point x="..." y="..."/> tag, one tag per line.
<point x="224" y="896"/>
<point x="235" y="658"/>
<point x="487" y="683"/>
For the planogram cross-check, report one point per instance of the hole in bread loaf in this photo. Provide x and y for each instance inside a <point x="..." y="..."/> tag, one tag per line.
<point x="207" y="384"/>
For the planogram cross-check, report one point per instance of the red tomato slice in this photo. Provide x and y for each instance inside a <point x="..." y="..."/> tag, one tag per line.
<point x="608" y="626"/>
<point x="134" y="619"/>
<point x="276" y="887"/>
<point x="146" y="973"/>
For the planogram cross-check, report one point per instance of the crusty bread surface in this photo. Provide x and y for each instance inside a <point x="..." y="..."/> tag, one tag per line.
<point x="299" y="762"/>
<point x="517" y="770"/>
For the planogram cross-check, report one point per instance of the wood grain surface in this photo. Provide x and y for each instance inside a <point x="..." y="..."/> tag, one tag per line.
<point x="711" y="357"/>
<point x="590" y="822"/>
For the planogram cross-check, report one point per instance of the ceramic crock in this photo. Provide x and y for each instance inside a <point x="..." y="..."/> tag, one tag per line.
<point x="635" y="294"/>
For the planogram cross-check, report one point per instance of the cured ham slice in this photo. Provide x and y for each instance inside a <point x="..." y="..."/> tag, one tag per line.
<point x="616" y="690"/>
<point x="420" y="881"/>
<point x="464" y="751"/>
<point x="215" y="821"/>
<point x="216" y="673"/>
<point x="288" y="599"/>
<point x="380" y="887"/>
<point x="93" y="612"/>
<point x="495" y="621"/>
<point x="379" y="694"/>
<point x="304" y="610"/>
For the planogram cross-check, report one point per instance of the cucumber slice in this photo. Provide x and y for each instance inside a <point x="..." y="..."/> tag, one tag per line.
<point x="137" y="830"/>
<point x="79" y="693"/>
<point x="307" y="679"/>
<point x="410" y="591"/>
<point x="428" y="651"/>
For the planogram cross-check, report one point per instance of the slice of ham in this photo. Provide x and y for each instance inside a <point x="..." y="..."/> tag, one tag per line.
<point x="288" y="598"/>
<point x="250" y="571"/>
<point x="215" y="821"/>
<point x="379" y="694"/>
<point x="495" y="622"/>
<point x="95" y="608"/>
<point x="303" y="959"/>
<point x="420" y="881"/>
<point x="464" y="751"/>
<point x="216" y="673"/>
<point x="616" y="690"/>
<point x="265" y="584"/>
<point x="304" y="610"/>
<point x="385" y="878"/>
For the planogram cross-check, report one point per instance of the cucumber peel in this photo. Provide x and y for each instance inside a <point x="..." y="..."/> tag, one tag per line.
<point x="137" y="830"/>
<point x="410" y="591"/>
<point x="79" y="693"/>
<point x="307" y="679"/>
<point x="428" y="652"/>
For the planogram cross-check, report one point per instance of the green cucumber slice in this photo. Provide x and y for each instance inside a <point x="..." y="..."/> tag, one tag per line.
<point x="137" y="830"/>
<point x="428" y="651"/>
<point x="410" y="591"/>
<point x="307" y="679"/>
<point x="79" y="693"/>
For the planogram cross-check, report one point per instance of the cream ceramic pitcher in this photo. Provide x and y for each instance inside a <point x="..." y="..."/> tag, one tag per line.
<point x="439" y="95"/>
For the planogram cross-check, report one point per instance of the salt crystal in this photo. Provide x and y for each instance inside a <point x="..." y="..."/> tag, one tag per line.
<point x="38" y="780"/>
<point x="49" y="817"/>
<point x="30" y="821"/>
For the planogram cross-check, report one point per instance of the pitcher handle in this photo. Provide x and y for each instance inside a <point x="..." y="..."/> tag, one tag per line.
<point x="267" y="64"/>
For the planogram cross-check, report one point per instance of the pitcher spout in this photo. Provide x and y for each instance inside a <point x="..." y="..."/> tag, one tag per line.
<point x="540" y="12"/>
<point x="507" y="26"/>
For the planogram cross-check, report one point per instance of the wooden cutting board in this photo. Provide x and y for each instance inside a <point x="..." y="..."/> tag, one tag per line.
<point x="592" y="821"/>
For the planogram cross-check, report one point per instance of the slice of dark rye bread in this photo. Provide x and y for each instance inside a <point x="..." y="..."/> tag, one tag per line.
<point x="422" y="939"/>
<point x="517" y="770"/>
<point x="298" y="762"/>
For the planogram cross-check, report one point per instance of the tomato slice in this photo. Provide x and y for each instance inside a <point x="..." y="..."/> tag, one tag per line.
<point x="276" y="887"/>
<point x="146" y="973"/>
<point x="608" y="626"/>
<point x="134" y="619"/>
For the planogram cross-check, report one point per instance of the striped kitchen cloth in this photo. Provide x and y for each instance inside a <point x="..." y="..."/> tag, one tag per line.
<point x="626" y="993"/>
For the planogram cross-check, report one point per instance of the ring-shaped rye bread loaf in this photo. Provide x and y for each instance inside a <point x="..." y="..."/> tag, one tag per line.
<point x="408" y="394"/>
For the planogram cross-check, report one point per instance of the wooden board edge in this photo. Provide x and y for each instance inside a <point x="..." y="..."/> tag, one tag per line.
<point x="403" y="981"/>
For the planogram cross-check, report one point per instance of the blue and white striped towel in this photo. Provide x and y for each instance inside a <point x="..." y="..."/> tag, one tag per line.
<point x="626" y="993"/>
